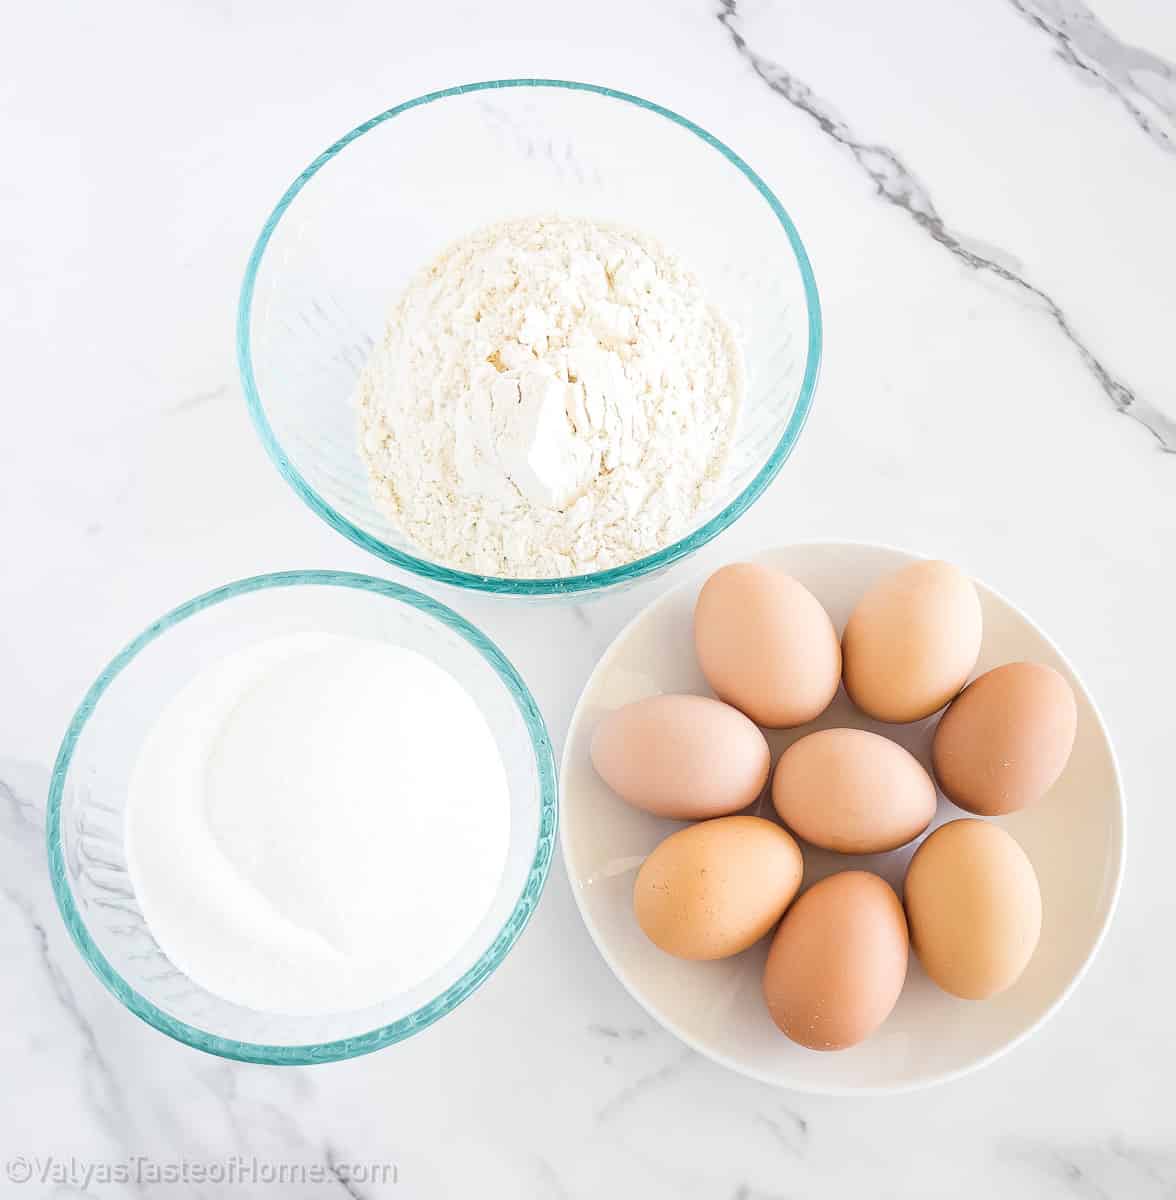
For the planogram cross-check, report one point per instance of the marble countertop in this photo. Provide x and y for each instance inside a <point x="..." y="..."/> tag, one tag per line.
<point x="987" y="192"/>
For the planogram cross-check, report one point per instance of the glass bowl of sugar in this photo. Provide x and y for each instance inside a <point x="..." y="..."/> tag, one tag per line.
<point x="301" y="817"/>
<point x="529" y="337"/>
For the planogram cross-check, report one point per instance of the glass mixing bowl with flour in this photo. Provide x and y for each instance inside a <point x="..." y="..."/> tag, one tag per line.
<point x="301" y="817"/>
<point x="626" y="413"/>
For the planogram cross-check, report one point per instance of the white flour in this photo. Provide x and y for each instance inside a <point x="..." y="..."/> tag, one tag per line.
<point x="317" y="823"/>
<point x="552" y="397"/>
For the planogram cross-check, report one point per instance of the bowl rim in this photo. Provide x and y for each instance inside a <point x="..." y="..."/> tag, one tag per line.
<point x="942" y="1077"/>
<point x="439" y="1006"/>
<point x="501" y="585"/>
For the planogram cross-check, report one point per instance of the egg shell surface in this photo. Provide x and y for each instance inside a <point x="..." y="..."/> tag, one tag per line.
<point x="911" y="642"/>
<point x="1006" y="739"/>
<point x="974" y="908"/>
<point x="685" y="757"/>
<point x="713" y="889"/>
<point x="852" y="792"/>
<point x="766" y="645"/>
<point x="838" y="962"/>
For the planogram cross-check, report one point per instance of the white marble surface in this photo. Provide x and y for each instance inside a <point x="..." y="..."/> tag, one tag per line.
<point x="987" y="192"/>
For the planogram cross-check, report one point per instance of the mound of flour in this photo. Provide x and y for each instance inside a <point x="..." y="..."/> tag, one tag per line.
<point x="552" y="396"/>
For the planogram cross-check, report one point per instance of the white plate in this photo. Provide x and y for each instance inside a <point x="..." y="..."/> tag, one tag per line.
<point x="1074" y="837"/>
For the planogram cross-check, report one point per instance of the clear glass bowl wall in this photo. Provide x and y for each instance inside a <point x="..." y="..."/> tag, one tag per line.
<point x="380" y="203"/>
<point x="88" y="796"/>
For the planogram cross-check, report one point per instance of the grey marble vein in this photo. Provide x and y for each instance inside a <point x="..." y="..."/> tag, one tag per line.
<point x="198" y="399"/>
<point x="747" y="1192"/>
<point x="278" y="1120"/>
<point x="549" y="1184"/>
<point x="21" y="810"/>
<point x="1142" y="82"/>
<point x="533" y="142"/>
<point x="220" y="1077"/>
<point x="632" y="1033"/>
<point x="1158" y="1166"/>
<point x="898" y="185"/>
<point x="333" y="1160"/>
<point x="789" y="1130"/>
<point x="1077" y="1180"/>
<point x="641" y="1086"/>
<point x="106" y="1095"/>
<point x="22" y="834"/>
<point x="1099" y="1170"/>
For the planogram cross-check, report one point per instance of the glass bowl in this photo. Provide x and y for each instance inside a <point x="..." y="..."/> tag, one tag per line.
<point x="88" y="793"/>
<point x="383" y="200"/>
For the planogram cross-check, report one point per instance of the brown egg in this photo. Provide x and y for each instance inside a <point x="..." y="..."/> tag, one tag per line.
<point x="686" y="757"/>
<point x="974" y="908"/>
<point x="766" y="645"/>
<point x="712" y="889"/>
<point x="852" y="791"/>
<point x="911" y="642"/>
<point x="838" y="962"/>
<point x="1006" y="739"/>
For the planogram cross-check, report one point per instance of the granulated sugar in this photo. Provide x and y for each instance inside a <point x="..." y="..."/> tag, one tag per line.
<point x="317" y="823"/>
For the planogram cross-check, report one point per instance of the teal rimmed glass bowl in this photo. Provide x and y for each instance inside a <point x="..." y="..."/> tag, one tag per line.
<point x="87" y="798"/>
<point x="379" y="203"/>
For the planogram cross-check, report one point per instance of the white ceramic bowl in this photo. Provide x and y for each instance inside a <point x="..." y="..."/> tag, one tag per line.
<point x="1074" y="837"/>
